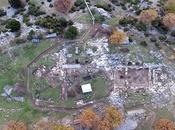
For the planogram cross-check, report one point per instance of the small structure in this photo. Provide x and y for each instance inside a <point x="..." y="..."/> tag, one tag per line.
<point x="35" y="39"/>
<point x="53" y="35"/>
<point x="71" y="66"/>
<point x="86" y="88"/>
<point x="76" y="50"/>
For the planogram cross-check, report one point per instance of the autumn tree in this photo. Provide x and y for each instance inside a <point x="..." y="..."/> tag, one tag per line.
<point x="169" y="20"/>
<point x="148" y="16"/>
<point x="170" y="6"/>
<point x="62" y="127"/>
<point x="104" y="124"/>
<point x="63" y="6"/>
<point x="15" y="125"/>
<point x="117" y="37"/>
<point x="114" y="116"/>
<point x="88" y="118"/>
<point x="164" y="124"/>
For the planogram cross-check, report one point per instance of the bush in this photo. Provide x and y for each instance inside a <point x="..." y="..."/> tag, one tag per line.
<point x="52" y="23"/>
<point x="26" y="18"/>
<point x="99" y="18"/>
<point x="125" y="21"/>
<point x="157" y="23"/>
<point x="141" y="26"/>
<point x="34" y="10"/>
<point x="30" y="35"/>
<point x="153" y="39"/>
<point x="13" y="25"/>
<point x="173" y="33"/>
<point x="71" y="33"/>
<point x="157" y="45"/>
<point x="20" y="41"/>
<point x="143" y="43"/>
<point x="162" y="38"/>
<point x="2" y="13"/>
<point x="106" y="7"/>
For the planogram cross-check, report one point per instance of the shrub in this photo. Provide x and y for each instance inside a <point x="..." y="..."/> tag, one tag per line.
<point x="157" y="23"/>
<point x="80" y="3"/>
<point x="143" y="43"/>
<point x="162" y="38"/>
<point x="99" y="18"/>
<point x="13" y="25"/>
<point x="153" y="39"/>
<point x="20" y="41"/>
<point x="2" y="13"/>
<point x="56" y="25"/>
<point x="173" y="33"/>
<point x="157" y="45"/>
<point x="71" y="33"/>
<point x="125" y="21"/>
<point x="34" y="10"/>
<point x="26" y="19"/>
<point x="30" y="35"/>
<point x="106" y="7"/>
<point x="141" y="26"/>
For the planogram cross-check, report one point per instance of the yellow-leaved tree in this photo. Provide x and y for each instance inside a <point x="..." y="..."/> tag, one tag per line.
<point x="104" y="124"/>
<point x="170" y="6"/>
<point x="114" y="116"/>
<point x="88" y="118"/>
<point x="118" y="37"/>
<point x="147" y="16"/>
<point x="15" y="125"/>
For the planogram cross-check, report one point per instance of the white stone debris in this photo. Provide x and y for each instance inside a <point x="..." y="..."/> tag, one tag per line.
<point x="81" y="27"/>
<point x="102" y="12"/>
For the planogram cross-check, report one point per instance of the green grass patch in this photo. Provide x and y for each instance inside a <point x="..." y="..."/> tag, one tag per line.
<point x="10" y="73"/>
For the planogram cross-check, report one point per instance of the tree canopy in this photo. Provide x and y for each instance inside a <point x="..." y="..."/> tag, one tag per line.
<point x="13" y="25"/>
<point x="164" y="124"/>
<point x="169" y="20"/>
<point x="148" y="15"/>
<point x="63" y="6"/>
<point x="114" y="116"/>
<point x="15" y="125"/>
<point x="87" y="118"/>
<point x="118" y="37"/>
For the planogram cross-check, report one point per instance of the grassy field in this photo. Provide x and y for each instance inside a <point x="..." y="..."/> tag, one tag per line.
<point x="11" y="69"/>
<point x="99" y="87"/>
